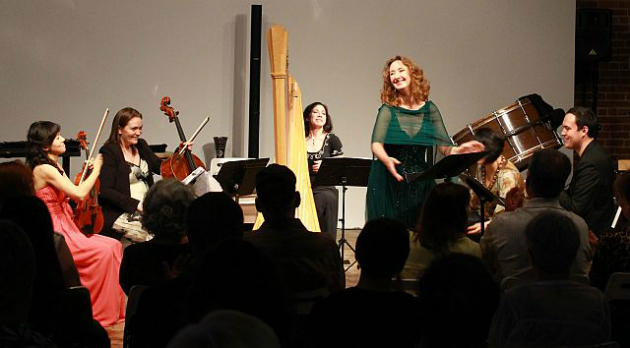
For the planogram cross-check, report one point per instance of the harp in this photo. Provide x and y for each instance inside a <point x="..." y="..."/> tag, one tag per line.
<point x="290" y="144"/>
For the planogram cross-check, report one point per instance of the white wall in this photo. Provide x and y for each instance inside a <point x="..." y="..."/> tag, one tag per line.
<point x="67" y="60"/>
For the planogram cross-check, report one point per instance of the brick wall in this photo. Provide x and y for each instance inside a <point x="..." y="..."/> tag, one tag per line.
<point x="613" y="105"/>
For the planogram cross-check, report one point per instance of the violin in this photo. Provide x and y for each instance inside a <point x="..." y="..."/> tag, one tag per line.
<point x="181" y="163"/>
<point x="88" y="215"/>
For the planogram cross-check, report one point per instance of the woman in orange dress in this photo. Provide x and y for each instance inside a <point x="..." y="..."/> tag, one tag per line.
<point x="97" y="257"/>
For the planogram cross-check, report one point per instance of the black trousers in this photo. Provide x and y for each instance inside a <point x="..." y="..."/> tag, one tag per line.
<point x="327" y="205"/>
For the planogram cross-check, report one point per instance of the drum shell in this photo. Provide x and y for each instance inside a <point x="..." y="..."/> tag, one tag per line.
<point x="521" y="125"/>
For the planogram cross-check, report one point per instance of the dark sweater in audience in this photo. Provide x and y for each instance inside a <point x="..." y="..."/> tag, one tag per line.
<point x="365" y="318"/>
<point x="305" y="260"/>
<point x="612" y="254"/>
<point x="553" y="311"/>
<point x="160" y="314"/>
<point x="151" y="263"/>
<point x="233" y="275"/>
<point x="551" y="314"/>
<point x="63" y="314"/>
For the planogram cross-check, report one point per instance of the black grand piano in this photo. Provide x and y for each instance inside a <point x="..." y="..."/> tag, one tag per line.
<point x="17" y="149"/>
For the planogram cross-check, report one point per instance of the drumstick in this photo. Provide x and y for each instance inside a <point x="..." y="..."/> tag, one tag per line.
<point x="203" y="124"/>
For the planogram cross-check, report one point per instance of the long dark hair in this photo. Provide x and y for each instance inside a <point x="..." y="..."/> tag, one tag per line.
<point x="40" y="135"/>
<point x="493" y="142"/>
<point x="444" y="216"/>
<point x="123" y="116"/>
<point x="307" y="118"/>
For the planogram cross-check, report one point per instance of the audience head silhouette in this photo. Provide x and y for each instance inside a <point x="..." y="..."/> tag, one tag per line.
<point x="227" y="329"/>
<point x="212" y="218"/>
<point x="456" y="292"/>
<point x="165" y="208"/>
<point x="382" y="248"/>
<point x="16" y="179"/>
<point x="547" y="173"/>
<point x="553" y="242"/>
<point x="275" y="187"/>
<point x="444" y="216"/>
<point x="235" y="275"/>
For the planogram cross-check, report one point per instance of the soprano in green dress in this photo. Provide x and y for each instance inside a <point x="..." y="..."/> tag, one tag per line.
<point x="406" y="135"/>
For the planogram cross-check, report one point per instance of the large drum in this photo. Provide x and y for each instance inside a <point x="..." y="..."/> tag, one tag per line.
<point x="524" y="130"/>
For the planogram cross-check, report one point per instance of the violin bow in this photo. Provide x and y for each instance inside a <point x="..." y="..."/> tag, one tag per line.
<point x="192" y="138"/>
<point x="98" y="135"/>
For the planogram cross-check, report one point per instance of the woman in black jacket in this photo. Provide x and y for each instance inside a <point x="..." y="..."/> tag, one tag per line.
<point x="126" y="176"/>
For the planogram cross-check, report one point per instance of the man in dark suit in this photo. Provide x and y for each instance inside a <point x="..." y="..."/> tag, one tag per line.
<point x="590" y="193"/>
<point x="305" y="260"/>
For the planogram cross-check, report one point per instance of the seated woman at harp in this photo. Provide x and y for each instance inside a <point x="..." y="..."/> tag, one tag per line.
<point x="320" y="143"/>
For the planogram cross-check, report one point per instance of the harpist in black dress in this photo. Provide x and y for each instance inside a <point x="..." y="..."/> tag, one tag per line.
<point x="320" y="143"/>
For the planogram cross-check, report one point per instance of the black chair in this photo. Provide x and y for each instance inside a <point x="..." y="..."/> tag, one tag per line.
<point x="618" y="294"/>
<point x="132" y="306"/>
<point x="602" y="345"/>
<point x="618" y="286"/>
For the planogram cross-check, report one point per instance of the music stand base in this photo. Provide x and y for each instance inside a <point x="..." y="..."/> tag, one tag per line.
<point x="342" y="243"/>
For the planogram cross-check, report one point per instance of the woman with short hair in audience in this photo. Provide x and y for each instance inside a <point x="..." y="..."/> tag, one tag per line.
<point x="441" y="229"/>
<point x="212" y="218"/>
<point x="97" y="257"/>
<point x="167" y="254"/>
<point x="497" y="173"/>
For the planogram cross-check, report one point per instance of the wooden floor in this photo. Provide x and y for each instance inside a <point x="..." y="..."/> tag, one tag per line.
<point x="352" y="277"/>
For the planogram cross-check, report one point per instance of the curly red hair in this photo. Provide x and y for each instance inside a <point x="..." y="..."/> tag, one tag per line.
<point x="419" y="84"/>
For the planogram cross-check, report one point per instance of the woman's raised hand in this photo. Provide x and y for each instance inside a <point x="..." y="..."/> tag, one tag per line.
<point x="468" y="147"/>
<point x="316" y="166"/>
<point x="96" y="163"/>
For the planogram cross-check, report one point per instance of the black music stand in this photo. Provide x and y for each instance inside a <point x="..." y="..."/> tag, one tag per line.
<point x="344" y="172"/>
<point x="448" y="167"/>
<point x="238" y="178"/>
<point x="485" y="196"/>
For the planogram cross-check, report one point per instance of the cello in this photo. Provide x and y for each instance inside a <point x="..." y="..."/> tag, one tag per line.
<point x="88" y="215"/>
<point x="181" y="163"/>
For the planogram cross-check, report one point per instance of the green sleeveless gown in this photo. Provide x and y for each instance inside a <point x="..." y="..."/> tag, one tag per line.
<point x="406" y="136"/>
